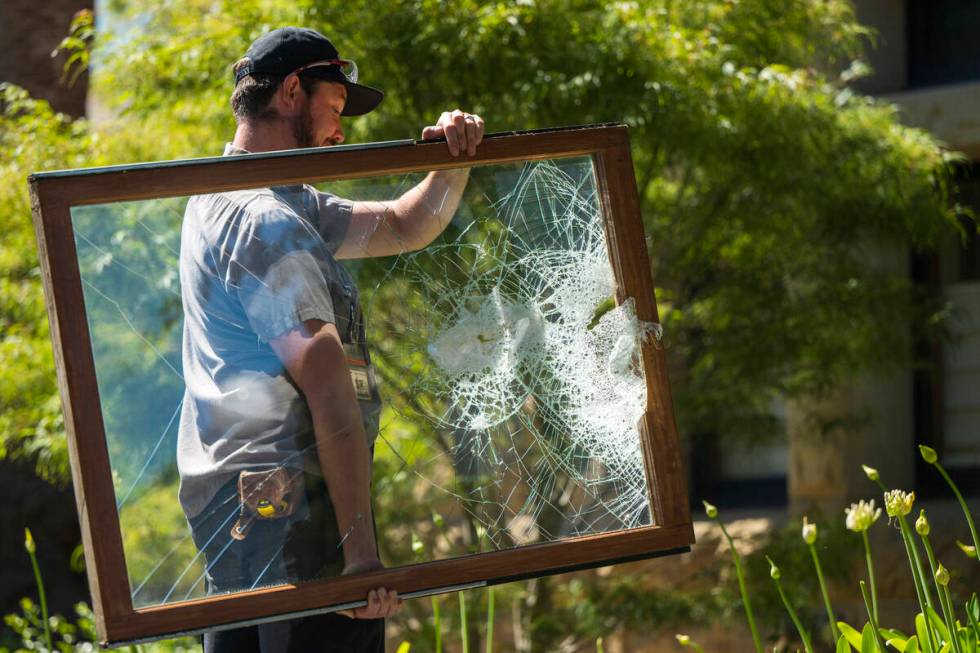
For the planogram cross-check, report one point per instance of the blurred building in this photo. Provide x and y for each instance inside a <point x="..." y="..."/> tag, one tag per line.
<point x="926" y="59"/>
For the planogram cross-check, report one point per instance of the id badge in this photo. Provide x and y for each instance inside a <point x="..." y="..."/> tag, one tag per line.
<point x="361" y="373"/>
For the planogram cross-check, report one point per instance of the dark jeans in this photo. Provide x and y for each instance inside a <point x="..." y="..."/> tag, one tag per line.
<point x="303" y="546"/>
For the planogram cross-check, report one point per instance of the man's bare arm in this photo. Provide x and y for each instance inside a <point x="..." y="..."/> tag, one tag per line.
<point x="408" y="223"/>
<point x="315" y="359"/>
<point x="416" y="218"/>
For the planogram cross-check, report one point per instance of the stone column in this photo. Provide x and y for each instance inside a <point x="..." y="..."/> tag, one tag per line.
<point x="868" y="418"/>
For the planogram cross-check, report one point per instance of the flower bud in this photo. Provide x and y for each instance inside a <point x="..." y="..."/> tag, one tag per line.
<point x="774" y="572"/>
<point x="29" y="541"/>
<point x="710" y="510"/>
<point x="928" y="454"/>
<point x="922" y="524"/>
<point x="870" y="472"/>
<point x="942" y="575"/>
<point x="970" y="551"/>
<point x="683" y="640"/>
<point x="809" y="531"/>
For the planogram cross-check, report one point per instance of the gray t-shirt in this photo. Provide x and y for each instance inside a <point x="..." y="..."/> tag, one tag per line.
<point x="255" y="264"/>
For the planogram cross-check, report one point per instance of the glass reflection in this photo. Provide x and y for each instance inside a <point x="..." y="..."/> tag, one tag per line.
<point x="498" y="384"/>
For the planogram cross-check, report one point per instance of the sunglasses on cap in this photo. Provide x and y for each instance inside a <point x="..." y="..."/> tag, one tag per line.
<point x="347" y="67"/>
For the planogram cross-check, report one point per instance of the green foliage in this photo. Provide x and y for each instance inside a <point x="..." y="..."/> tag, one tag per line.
<point x="66" y="635"/>
<point x="626" y="602"/>
<point x="32" y="137"/>
<point x="77" y="45"/>
<point x="70" y="636"/>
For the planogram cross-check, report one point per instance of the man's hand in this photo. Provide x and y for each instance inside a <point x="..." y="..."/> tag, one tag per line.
<point x="463" y="131"/>
<point x="381" y="601"/>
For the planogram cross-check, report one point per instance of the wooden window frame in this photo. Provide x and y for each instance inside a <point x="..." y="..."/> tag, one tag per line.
<point x="53" y="194"/>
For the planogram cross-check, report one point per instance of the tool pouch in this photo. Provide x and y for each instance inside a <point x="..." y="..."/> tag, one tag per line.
<point x="269" y="494"/>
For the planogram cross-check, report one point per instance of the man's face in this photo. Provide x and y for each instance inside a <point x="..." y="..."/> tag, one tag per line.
<point x="317" y="120"/>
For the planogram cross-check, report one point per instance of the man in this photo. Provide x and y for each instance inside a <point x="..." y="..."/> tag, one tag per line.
<point x="280" y="410"/>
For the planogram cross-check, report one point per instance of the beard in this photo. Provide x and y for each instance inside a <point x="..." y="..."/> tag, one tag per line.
<point x="302" y="128"/>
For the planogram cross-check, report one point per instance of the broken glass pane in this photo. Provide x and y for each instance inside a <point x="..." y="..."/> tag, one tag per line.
<point x="508" y="381"/>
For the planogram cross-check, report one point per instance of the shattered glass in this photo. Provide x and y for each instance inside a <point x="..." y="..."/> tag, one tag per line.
<point x="510" y="380"/>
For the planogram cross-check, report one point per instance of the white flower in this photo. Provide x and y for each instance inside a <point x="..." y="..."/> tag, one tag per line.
<point x="861" y="515"/>
<point x="898" y="503"/>
<point x="809" y="531"/>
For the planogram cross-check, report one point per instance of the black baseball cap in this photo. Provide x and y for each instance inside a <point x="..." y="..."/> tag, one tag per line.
<point x="287" y="49"/>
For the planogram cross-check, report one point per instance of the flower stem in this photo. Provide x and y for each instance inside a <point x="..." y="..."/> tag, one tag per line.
<point x="41" y="595"/>
<point x="871" y="574"/>
<point x="915" y="563"/>
<point x="463" y="626"/>
<point x="796" y="620"/>
<point x="737" y="559"/>
<point x="874" y="620"/>
<point x="490" y="619"/>
<point x="966" y="509"/>
<point x="437" y="624"/>
<point x="948" y="611"/>
<point x="823" y="590"/>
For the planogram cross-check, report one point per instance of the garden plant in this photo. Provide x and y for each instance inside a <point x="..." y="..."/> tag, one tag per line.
<point x="940" y="626"/>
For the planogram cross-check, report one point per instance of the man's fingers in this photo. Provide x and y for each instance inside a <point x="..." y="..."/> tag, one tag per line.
<point x="432" y="131"/>
<point x="386" y="600"/>
<point x="437" y="130"/>
<point x="381" y="603"/>
<point x="373" y="606"/>
<point x="459" y="122"/>
<point x="463" y="131"/>
<point x="472" y="137"/>
<point x="479" y="129"/>
<point x="452" y="132"/>
<point x="394" y="603"/>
